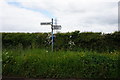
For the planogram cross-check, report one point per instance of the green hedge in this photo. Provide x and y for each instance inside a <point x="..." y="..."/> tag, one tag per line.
<point x="74" y="41"/>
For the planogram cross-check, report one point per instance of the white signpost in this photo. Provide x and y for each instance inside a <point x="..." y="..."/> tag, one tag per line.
<point x="53" y="27"/>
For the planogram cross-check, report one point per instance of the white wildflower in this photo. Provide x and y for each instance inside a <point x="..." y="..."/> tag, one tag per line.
<point x="46" y="51"/>
<point x="6" y="53"/>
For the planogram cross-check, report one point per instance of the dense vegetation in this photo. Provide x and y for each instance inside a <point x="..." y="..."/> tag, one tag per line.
<point x="37" y="63"/>
<point x="76" y="55"/>
<point x="74" y="41"/>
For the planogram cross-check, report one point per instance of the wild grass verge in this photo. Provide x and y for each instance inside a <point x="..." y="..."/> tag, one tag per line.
<point x="40" y="63"/>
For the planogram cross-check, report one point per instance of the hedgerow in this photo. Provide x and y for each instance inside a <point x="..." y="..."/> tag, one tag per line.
<point x="74" y="41"/>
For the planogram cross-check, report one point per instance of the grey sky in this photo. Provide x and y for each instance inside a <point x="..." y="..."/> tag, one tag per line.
<point x="83" y="15"/>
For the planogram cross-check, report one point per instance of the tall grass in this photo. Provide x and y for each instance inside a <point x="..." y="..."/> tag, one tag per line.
<point x="40" y="63"/>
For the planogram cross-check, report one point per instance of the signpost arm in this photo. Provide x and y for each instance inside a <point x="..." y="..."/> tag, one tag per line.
<point x="52" y="35"/>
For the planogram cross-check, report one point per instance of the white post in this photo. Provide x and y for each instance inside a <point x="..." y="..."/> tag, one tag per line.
<point x="52" y="35"/>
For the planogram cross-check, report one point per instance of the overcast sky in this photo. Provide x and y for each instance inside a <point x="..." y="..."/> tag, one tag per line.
<point x="82" y="15"/>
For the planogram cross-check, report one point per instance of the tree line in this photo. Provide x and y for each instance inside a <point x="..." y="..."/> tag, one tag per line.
<point x="74" y="41"/>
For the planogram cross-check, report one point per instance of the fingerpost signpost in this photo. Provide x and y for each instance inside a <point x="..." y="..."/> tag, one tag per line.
<point x="53" y="27"/>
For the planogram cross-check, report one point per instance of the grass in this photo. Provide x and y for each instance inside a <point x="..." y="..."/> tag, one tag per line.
<point x="40" y="63"/>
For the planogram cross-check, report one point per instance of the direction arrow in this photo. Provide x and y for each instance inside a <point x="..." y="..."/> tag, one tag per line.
<point x="56" y="27"/>
<point x="46" y="23"/>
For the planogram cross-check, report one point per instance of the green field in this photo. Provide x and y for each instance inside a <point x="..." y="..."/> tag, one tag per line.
<point x="41" y="63"/>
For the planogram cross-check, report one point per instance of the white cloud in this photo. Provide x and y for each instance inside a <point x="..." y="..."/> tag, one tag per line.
<point x="95" y="15"/>
<point x="20" y="19"/>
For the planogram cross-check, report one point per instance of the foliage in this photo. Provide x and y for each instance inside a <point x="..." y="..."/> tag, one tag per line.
<point x="40" y="63"/>
<point x="74" y="41"/>
<point x="76" y="55"/>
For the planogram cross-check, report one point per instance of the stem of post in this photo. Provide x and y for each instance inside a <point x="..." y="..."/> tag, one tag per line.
<point x="52" y="35"/>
